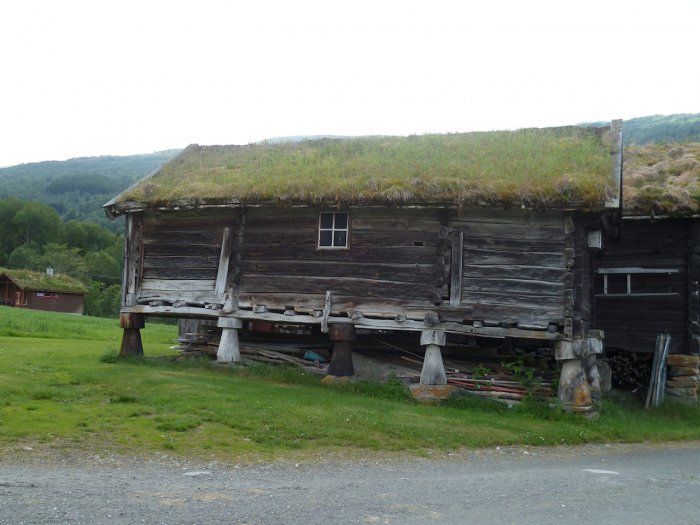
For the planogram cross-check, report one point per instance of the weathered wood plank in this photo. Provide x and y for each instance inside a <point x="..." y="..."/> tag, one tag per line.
<point x="483" y="257"/>
<point x="340" y="285"/>
<point x="199" y="237"/>
<point x="184" y="285"/>
<point x="179" y="273"/>
<point x="378" y="254"/>
<point x="395" y="272"/>
<point x="180" y="261"/>
<point x="222" y="271"/>
<point x="515" y="271"/>
<point x="456" y="268"/>
<point x="514" y="286"/>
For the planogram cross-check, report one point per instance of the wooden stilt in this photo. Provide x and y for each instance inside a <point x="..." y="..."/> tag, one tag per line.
<point x="229" y="349"/>
<point x="342" y="336"/>
<point x="433" y="372"/>
<point x="131" y="338"/>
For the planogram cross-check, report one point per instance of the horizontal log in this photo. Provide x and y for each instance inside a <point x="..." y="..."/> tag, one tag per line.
<point x="182" y="250"/>
<point x="184" y="312"/>
<point x="487" y="257"/>
<point x="194" y="236"/>
<point x="514" y="286"/>
<point x="381" y="254"/>
<point x="342" y="285"/>
<point x="180" y="261"/>
<point x="422" y="273"/>
<point x="179" y="273"/>
<point x="506" y="217"/>
<point x="512" y="231"/>
<point x="184" y="285"/>
<point x="523" y="272"/>
<point x="201" y="218"/>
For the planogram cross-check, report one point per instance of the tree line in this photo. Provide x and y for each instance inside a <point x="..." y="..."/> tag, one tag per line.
<point x="34" y="237"/>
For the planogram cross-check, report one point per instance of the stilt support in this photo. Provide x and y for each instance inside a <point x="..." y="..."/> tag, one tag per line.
<point x="342" y="336"/>
<point x="579" y="383"/>
<point x="433" y="372"/>
<point x="131" y="338"/>
<point x="229" y="349"/>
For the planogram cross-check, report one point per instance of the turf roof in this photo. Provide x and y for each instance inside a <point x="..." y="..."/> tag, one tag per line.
<point x="29" y="280"/>
<point x="549" y="167"/>
<point x="662" y="179"/>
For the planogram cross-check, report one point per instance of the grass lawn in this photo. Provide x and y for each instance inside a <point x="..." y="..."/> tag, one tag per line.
<point x="62" y="386"/>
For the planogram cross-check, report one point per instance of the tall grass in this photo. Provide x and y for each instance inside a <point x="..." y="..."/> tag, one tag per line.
<point x="540" y="166"/>
<point x="73" y="392"/>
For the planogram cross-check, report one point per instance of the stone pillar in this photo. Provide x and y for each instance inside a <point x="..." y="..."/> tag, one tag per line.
<point x="229" y="350"/>
<point x="131" y="338"/>
<point x="579" y="383"/>
<point x="433" y="372"/>
<point x="342" y="336"/>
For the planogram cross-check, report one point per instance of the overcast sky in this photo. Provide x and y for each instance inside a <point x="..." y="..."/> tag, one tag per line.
<point x="108" y="77"/>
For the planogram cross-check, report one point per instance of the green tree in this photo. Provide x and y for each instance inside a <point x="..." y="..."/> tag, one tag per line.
<point x="64" y="260"/>
<point x="37" y="222"/>
<point x="24" y="257"/>
<point x="9" y="236"/>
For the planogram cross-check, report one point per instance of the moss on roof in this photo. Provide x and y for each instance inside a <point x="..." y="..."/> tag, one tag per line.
<point x="661" y="179"/>
<point x="544" y="167"/>
<point x="30" y="280"/>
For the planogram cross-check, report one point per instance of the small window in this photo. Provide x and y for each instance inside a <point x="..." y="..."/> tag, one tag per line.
<point x="333" y="229"/>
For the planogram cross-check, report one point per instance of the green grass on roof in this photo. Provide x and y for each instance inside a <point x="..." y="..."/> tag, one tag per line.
<point x="662" y="179"/>
<point x="31" y="280"/>
<point x="550" y="166"/>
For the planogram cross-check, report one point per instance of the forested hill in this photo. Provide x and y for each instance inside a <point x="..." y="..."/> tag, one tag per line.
<point x="77" y="188"/>
<point x="682" y="127"/>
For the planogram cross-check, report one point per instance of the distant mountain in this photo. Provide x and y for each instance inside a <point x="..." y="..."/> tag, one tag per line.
<point x="77" y="188"/>
<point x="683" y="127"/>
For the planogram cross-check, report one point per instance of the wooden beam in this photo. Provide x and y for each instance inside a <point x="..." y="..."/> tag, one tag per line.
<point x="222" y="272"/>
<point x="456" y="268"/>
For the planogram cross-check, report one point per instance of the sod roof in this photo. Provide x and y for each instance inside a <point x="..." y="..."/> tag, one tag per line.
<point x="661" y="179"/>
<point x="549" y="167"/>
<point x="29" y="280"/>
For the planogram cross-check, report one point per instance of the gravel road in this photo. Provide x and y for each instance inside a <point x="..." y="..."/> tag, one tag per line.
<point x="589" y="484"/>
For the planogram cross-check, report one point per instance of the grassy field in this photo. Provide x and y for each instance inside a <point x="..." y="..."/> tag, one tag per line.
<point x="63" y="387"/>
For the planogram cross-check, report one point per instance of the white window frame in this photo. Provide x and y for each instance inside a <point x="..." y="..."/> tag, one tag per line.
<point x="333" y="230"/>
<point x="629" y="272"/>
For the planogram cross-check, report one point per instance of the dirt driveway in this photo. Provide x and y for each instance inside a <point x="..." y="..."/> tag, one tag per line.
<point x="588" y="484"/>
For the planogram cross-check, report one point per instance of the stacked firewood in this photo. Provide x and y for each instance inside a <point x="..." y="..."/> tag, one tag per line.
<point x="630" y="370"/>
<point x="683" y="378"/>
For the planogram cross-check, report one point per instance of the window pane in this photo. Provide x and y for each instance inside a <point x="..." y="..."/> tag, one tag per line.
<point x="617" y="283"/>
<point x="340" y="238"/>
<point x="326" y="238"/>
<point x="341" y="221"/>
<point x="326" y="221"/>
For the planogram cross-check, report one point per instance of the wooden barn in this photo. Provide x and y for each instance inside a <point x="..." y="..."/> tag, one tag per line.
<point x="478" y="234"/>
<point x="41" y="291"/>
<point x="646" y="280"/>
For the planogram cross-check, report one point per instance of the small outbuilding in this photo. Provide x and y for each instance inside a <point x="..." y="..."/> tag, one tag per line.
<point x="646" y="278"/>
<point x="41" y="291"/>
<point x="484" y="235"/>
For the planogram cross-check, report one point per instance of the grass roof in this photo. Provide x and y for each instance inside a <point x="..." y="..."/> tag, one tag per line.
<point x="543" y="167"/>
<point x="662" y="179"/>
<point x="29" y="280"/>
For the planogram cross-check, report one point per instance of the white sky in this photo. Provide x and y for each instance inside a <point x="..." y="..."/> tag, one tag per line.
<point x="108" y="77"/>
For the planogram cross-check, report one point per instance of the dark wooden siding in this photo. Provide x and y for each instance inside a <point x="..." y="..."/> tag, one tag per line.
<point x="514" y="266"/>
<point x="181" y="253"/>
<point x="633" y="322"/>
<point x="389" y="262"/>
<point x="55" y="302"/>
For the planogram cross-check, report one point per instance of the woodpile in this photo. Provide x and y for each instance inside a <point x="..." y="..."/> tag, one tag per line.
<point x="683" y="378"/>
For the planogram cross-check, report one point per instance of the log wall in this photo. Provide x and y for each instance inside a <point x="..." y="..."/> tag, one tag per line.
<point x="515" y="267"/>
<point x="507" y="268"/>
<point x="659" y="302"/>
<point x="181" y="253"/>
<point x="389" y="263"/>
